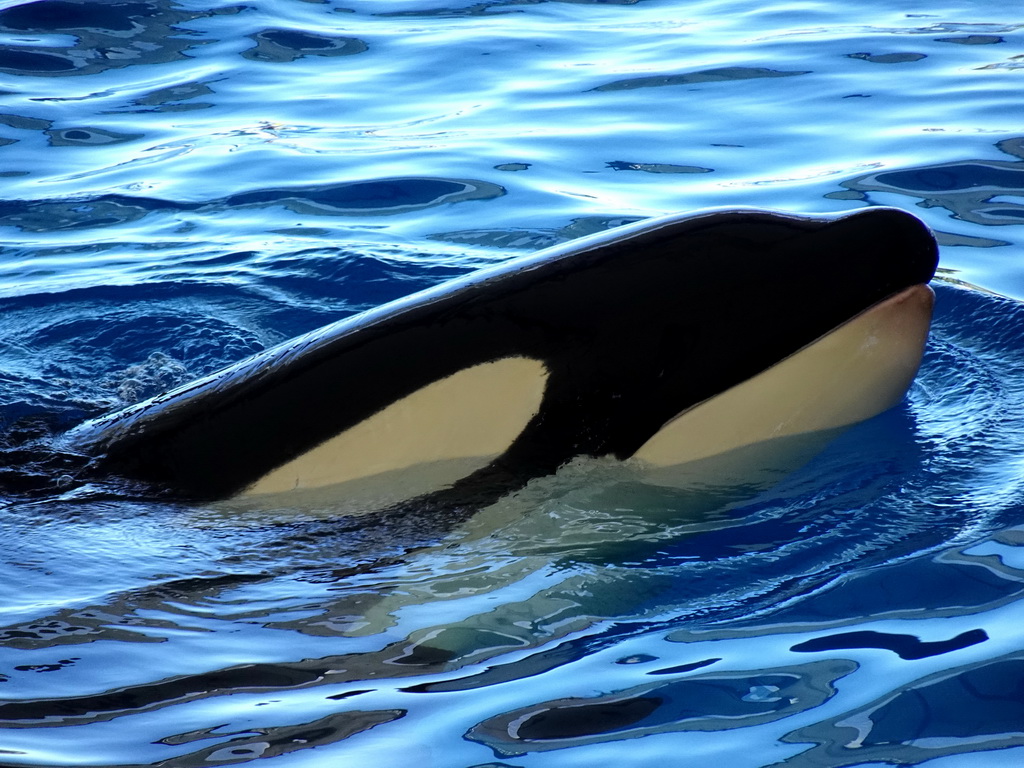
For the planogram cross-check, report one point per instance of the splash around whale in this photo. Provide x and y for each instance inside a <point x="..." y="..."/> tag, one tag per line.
<point x="669" y="343"/>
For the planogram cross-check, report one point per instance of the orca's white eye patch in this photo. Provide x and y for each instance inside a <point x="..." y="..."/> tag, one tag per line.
<point x="446" y="429"/>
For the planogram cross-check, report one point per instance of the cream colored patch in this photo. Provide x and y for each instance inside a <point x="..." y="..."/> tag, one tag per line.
<point x="449" y="429"/>
<point x="856" y="371"/>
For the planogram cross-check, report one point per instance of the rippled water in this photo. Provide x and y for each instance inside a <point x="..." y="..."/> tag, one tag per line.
<point x="185" y="183"/>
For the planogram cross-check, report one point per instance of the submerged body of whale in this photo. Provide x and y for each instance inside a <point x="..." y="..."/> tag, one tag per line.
<point x="668" y="341"/>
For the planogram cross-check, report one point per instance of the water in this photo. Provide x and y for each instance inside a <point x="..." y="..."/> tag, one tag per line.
<point x="185" y="183"/>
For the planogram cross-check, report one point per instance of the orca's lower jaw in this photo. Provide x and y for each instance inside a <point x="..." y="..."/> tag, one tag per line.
<point x="776" y="420"/>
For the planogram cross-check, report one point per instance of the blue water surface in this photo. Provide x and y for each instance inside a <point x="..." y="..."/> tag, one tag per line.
<point x="185" y="183"/>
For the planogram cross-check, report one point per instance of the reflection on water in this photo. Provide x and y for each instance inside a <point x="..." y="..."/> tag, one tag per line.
<point x="376" y="197"/>
<point x="887" y="58"/>
<point x="188" y="183"/>
<point x="288" y="45"/>
<point x="907" y="647"/>
<point x="692" y="78"/>
<point x="973" y="708"/>
<point x="620" y="165"/>
<point x="105" y="35"/>
<point x="534" y="239"/>
<point x="989" y="192"/>
<point x="705" y="702"/>
<point x="252" y="743"/>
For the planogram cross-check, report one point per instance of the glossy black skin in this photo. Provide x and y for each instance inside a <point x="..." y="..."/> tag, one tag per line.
<point x="635" y="325"/>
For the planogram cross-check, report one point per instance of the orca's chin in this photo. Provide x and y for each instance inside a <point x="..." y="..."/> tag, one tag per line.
<point x="774" y="421"/>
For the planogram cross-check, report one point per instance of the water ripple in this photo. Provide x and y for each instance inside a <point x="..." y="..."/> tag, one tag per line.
<point x="187" y="183"/>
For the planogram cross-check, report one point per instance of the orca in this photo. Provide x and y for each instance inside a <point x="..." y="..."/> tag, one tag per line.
<point x="665" y="342"/>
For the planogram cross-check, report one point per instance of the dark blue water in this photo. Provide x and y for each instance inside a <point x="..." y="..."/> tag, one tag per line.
<point x="186" y="183"/>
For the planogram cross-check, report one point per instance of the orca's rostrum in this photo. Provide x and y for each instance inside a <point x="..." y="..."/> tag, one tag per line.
<point x="667" y="341"/>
